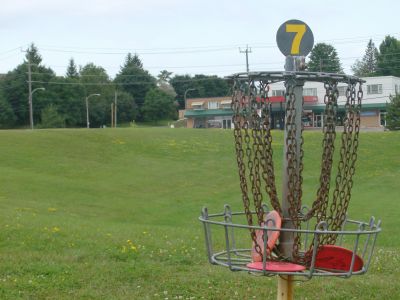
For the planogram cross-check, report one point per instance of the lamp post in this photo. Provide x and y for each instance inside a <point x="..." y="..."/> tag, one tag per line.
<point x="31" y="106"/>
<point x="184" y="96"/>
<point x="87" y="108"/>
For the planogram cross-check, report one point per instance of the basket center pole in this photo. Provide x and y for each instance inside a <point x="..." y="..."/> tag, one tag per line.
<point x="286" y="239"/>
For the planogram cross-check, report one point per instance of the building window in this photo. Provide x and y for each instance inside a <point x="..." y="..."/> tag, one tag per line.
<point x="342" y="90"/>
<point x="197" y="105"/>
<point x="213" y="105"/>
<point x="374" y="89"/>
<point x="278" y="92"/>
<point x="226" y="104"/>
<point x="309" y="92"/>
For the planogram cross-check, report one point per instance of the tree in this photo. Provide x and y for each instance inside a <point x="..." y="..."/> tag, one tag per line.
<point x="96" y="81"/>
<point x="393" y="113"/>
<point x="164" y="76"/>
<point x="388" y="59"/>
<point x="127" y="109"/>
<point x="15" y="87"/>
<point x="32" y="55"/>
<point x="68" y="96"/>
<point x="132" y="61"/>
<point x="203" y="85"/>
<point x="369" y="63"/>
<point x="134" y="80"/>
<point x="7" y="117"/>
<point x="163" y="83"/>
<point x="324" y="58"/>
<point x="158" y="105"/>
<point x="72" y="71"/>
<point x="50" y="118"/>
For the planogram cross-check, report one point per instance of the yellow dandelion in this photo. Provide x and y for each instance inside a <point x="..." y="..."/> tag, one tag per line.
<point x="133" y="248"/>
<point x="55" y="229"/>
<point x="52" y="209"/>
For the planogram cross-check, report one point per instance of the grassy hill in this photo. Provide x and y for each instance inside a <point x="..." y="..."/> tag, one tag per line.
<point x="112" y="214"/>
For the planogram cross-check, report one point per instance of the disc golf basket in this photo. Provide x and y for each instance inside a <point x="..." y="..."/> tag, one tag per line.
<point x="285" y="237"/>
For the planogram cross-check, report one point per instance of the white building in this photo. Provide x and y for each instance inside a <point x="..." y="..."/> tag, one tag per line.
<point x="216" y="112"/>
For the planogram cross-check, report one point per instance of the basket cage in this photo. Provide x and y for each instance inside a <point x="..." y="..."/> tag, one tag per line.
<point x="228" y="242"/>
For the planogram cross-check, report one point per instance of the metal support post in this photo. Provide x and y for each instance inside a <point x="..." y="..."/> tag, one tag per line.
<point x="115" y="108"/>
<point x="30" y="91"/>
<point x="286" y="239"/>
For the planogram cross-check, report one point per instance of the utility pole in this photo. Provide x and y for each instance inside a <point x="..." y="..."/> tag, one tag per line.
<point x="112" y="115"/>
<point x="30" y="90"/>
<point x="115" y="108"/>
<point x="247" y="51"/>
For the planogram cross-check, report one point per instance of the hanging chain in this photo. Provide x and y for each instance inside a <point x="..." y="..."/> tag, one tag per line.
<point x="240" y="120"/>
<point x="328" y="145"/>
<point x="267" y="154"/>
<point x="348" y="157"/>
<point x="255" y="178"/>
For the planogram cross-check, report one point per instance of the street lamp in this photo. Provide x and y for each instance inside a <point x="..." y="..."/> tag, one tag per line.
<point x="184" y="97"/>
<point x="87" y="108"/>
<point x="31" y="106"/>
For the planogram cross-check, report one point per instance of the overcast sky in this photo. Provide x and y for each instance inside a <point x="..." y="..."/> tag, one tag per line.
<point x="183" y="36"/>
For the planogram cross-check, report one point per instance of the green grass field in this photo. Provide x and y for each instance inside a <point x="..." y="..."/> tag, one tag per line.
<point x="113" y="214"/>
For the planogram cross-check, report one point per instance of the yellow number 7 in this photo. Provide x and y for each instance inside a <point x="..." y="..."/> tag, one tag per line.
<point x="300" y="30"/>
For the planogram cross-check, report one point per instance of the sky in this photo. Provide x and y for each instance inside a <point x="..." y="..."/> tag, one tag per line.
<point x="184" y="36"/>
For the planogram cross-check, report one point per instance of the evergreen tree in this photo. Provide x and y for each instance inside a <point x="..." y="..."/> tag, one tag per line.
<point x="163" y="83"/>
<point x="369" y="63"/>
<point x="72" y="71"/>
<point x="164" y="76"/>
<point x="134" y="80"/>
<point x="393" y="113"/>
<point x="32" y="55"/>
<point x="324" y="58"/>
<point x="16" y="92"/>
<point x="132" y="61"/>
<point x="388" y="59"/>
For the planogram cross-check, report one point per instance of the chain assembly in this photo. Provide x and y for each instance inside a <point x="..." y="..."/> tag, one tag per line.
<point x="252" y="111"/>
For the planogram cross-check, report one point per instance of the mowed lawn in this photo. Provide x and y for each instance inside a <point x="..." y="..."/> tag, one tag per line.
<point x="113" y="214"/>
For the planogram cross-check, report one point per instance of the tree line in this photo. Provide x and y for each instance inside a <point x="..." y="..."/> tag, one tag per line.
<point x="139" y="95"/>
<point x="382" y="62"/>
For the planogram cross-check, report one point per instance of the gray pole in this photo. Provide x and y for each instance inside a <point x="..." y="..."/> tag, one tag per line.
<point x="87" y="112"/>
<point x="87" y="108"/>
<point x="247" y="51"/>
<point x="185" y="94"/>
<point x="115" y="108"/>
<point x="287" y="238"/>
<point x="30" y="91"/>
